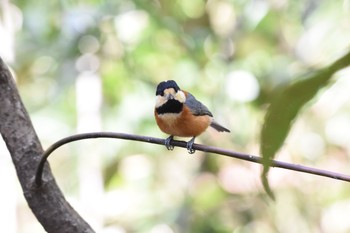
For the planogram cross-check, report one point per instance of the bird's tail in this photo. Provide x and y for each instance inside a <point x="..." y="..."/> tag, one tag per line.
<point x="219" y="127"/>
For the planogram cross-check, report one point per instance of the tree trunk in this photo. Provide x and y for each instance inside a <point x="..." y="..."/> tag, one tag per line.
<point x="46" y="202"/>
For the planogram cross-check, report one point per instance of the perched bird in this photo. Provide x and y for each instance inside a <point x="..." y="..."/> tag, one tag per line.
<point x="179" y="113"/>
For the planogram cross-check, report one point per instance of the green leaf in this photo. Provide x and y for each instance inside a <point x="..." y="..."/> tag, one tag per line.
<point x="285" y="107"/>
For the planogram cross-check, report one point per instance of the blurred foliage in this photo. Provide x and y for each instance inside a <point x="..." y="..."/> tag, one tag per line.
<point x="280" y="116"/>
<point x="237" y="57"/>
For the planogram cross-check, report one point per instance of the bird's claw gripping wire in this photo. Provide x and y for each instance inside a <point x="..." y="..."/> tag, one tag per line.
<point x="167" y="143"/>
<point x="190" y="145"/>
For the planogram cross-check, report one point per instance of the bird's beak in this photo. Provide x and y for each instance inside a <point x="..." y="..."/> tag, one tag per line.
<point x="169" y="93"/>
<point x="169" y="97"/>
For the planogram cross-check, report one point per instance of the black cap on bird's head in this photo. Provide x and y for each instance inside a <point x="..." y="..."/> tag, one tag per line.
<point x="166" y="85"/>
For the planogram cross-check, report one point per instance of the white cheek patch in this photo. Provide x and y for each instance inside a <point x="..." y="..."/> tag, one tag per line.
<point x="160" y="100"/>
<point x="180" y="96"/>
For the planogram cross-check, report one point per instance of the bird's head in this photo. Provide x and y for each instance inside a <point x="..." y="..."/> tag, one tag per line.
<point x="169" y="91"/>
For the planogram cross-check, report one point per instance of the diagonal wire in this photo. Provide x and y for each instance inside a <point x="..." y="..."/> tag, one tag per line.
<point x="200" y="147"/>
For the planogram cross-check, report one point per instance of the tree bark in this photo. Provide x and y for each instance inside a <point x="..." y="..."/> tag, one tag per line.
<point x="47" y="201"/>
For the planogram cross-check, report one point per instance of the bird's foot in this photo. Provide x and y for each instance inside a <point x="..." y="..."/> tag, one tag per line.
<point x="167" y="143"/>
<point x="190" y="145"/>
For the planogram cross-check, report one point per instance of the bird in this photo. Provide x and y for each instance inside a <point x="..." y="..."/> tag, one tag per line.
<point x="179" y="113"/>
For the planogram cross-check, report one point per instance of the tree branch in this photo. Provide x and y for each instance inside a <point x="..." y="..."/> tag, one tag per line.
<point x="210" y="149"/>
<point x="47" y="202"/>
<point x="39" y="186"/>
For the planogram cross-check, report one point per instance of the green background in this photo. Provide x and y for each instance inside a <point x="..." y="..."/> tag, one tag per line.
<point x="85" y="66"/>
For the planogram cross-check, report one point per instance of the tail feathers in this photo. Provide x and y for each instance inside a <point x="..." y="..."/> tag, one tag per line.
<point x="219" y="127"/>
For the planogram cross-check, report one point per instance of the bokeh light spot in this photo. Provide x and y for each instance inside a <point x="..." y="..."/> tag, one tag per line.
<point x="337" y="130"/>
<point x="130" y="25"/>
<point x="242" y="86"/>
<point x="88" y="44"/>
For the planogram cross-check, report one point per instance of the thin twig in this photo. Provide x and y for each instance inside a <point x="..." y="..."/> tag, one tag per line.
<point x="215" y="150"/>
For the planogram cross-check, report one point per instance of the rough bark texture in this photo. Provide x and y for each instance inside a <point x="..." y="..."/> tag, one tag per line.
<point x="47" y="202"/>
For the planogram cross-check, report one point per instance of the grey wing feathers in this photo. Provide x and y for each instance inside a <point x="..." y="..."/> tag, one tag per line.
<point x="197" y="107"/>
<point x="200" y="109"/>
<point x="218" y="127"/>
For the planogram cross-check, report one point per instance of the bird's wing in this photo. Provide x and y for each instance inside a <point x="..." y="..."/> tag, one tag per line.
<point x="196" y="107"/>
<point x="219" y="127"/>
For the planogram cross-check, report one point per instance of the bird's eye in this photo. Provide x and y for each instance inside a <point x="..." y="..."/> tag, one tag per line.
<point x="159" y="92"/>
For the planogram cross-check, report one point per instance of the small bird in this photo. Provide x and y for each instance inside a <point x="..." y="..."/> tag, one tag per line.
<point x="179" y="113"/>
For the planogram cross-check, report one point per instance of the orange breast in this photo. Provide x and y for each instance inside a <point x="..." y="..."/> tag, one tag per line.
<point x="184" y="124"/>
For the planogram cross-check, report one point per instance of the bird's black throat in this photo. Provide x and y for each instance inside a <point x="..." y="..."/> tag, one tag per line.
<point x="171" y="106"/>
